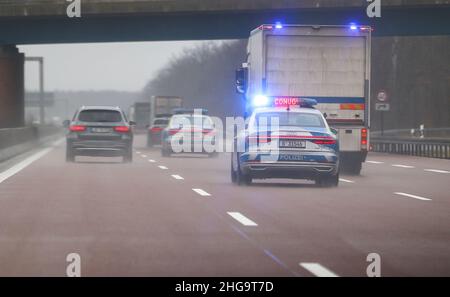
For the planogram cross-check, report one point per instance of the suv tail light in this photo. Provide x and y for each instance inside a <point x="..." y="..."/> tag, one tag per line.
<point x="122" y="129"/>
<point x="364" y="134"/>
<point x="77" y="128"/>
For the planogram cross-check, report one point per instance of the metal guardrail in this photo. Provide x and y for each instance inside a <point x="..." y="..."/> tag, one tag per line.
<point x="422" y="147"/>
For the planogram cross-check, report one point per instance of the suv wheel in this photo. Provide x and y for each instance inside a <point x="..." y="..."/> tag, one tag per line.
<point x="70" y="156"/>
<point x="128" y="156"/>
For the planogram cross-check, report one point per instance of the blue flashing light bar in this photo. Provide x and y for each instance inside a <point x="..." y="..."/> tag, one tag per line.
<point x="278" y="25"/>
<point x="260" y="100"/>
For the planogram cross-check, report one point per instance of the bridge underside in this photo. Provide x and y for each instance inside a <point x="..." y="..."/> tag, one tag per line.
<point x="213" y="25"/>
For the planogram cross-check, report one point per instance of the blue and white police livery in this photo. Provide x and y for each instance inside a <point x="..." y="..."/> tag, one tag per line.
<point x="286" y="140"/>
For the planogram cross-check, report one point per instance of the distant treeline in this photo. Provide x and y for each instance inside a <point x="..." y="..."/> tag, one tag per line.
<point x="204" y="77"/>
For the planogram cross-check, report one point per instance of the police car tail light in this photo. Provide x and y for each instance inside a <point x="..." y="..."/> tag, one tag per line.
<point x="209" y="132"/>
<point x="156" y="129"/>
<point x="364" y="133"/>
<point x="174" y="131"/>
<point x="324" y="141"/>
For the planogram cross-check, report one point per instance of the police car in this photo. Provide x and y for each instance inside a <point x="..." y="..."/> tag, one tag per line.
<point x="289" y="139"/>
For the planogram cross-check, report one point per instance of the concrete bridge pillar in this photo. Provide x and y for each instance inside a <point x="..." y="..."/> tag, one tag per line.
<point x="12" y="108"/>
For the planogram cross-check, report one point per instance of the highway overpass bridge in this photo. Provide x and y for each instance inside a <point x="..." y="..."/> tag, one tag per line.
<point x="46" y="21"/>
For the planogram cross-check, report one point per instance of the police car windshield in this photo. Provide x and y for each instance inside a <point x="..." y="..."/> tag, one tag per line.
<point x="290" y="119"/>
<point x="183" y="121"/>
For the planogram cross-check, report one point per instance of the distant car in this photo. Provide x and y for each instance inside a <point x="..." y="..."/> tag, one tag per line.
<point x="301" y="147"/>
<point x="99" y="131"/>
<point x="155" y="129"/>
<point x="189" y="132"/>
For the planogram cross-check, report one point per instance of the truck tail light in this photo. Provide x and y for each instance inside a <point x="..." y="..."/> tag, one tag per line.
<point x="122" y="129"/>
<point x="77" y="128"/>
<point x="364" y="133"/>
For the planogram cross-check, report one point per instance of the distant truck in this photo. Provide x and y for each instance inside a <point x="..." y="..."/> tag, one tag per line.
<point x="330" y="64"/>
<point x="163" y="106"/>
<point x="161" y="109"/>
<point x="140" y="113"/>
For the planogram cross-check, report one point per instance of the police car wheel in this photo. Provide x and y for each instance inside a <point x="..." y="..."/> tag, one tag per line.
<point x="328" y="181"/>
<point x="233" y="173"/>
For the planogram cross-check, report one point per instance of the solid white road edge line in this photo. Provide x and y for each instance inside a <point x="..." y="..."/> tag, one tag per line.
<point x="318" y="270"/>
<point x="412" y="196"/>
<point x="23" y="164"/>
<point x="241" y="219"/>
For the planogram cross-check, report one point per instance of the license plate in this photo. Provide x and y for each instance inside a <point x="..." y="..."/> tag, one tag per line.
<point x="292" y="143"/>
<point x="101" y="130"/>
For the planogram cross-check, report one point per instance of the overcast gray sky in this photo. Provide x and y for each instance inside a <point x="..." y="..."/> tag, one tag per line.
<point x="100" y="66"/>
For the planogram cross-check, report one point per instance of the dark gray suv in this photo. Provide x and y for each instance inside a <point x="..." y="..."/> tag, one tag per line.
<point x="99" y="131"/>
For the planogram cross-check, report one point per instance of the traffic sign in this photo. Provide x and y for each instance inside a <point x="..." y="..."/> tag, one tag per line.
<point x="382" y="106"/>
<point x="382" y="96"/>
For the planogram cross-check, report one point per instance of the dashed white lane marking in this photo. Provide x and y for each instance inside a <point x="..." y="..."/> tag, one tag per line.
<point x="437" y="170"/>
<point x="23" y="164"/>
<point x="138" y="152"/>
<point x="163" y="167"/>
<point x="402" y="166"/>
<point x="346" y="180"/>
<point x="152" y="161"/>
<point x="201" y="192"/>
<point x="242" y="219"/>
<point x="175" y="176"/>
<point x="412" y="196"/>
<point x="318" y="270"/>
<point x="144" y="156"/>
<point x="375" y="162"/>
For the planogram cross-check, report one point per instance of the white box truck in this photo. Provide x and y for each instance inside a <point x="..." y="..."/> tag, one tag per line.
<point x="163" y="106"/>
<point x="330" y="64"/>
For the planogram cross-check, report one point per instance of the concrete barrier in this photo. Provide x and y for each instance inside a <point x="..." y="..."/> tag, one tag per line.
<point x="15" y="141"/>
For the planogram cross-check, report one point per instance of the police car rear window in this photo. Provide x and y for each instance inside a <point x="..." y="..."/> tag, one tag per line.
<point x="294" y="119"/>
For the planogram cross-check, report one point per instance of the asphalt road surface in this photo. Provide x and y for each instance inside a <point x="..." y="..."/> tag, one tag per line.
<point x="182" y="216"/>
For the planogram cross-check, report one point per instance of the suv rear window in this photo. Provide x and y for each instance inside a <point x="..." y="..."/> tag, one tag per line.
<point x="107" y="116"/>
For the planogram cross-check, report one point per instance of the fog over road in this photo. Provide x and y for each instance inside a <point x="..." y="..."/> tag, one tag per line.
<point x="182" y="216"/>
